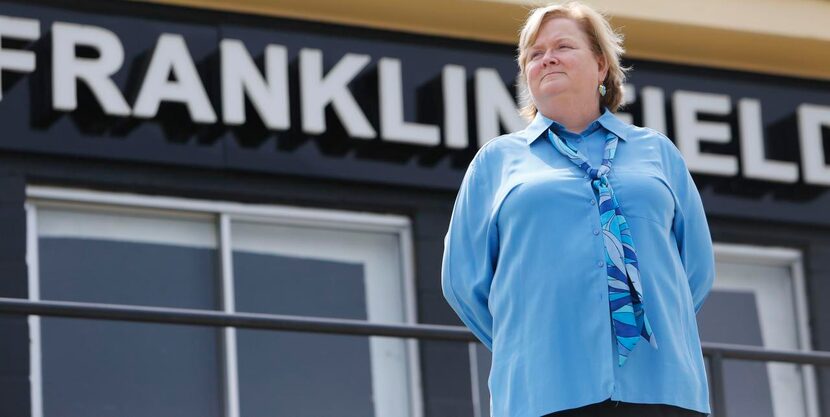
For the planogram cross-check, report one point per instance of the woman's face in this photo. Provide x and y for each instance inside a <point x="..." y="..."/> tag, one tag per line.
<point x="561" y="64"/>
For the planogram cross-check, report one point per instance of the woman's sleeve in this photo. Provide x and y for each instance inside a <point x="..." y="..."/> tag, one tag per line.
<point x="691" y="230"/>
<point x="470" y="252"/>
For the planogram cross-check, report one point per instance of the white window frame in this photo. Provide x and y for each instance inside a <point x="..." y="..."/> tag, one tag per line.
<point x="793" y="260"/>
<point x="225" y="213"/>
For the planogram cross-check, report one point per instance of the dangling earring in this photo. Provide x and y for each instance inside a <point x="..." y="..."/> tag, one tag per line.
<point x="602" y="90"/>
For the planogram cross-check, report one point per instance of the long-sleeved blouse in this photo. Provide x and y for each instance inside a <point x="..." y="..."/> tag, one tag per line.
<point x="524" y="269"/>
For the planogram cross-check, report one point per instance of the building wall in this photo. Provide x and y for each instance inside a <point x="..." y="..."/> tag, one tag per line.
<point x="730" y="32"/>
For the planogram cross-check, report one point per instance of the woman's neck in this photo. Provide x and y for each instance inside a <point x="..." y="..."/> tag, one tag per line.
<point x="574" y="118"/>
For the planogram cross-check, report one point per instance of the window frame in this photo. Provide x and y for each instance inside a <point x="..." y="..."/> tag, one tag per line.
<point x="223" y="213"/>
<point x="792" y="259"/>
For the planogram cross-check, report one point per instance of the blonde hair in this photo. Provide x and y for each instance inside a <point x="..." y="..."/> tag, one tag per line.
<point x="604" y="41"/>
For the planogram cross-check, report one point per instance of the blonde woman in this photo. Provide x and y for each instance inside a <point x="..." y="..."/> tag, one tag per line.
<point x="578" y="250"/>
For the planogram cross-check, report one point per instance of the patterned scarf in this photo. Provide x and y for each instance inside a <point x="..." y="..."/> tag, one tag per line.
<point x="625" y="294"/>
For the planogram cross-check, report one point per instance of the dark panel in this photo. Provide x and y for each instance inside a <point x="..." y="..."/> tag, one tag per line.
<point x="14" y="356"/>
<point x="13" y="276"/>
<point x="15" y="396"/>
<point x="296" y="374"/>
<point x="14" y="330"/>
<point x="11" y="215"/>
<point x="446" y="379"/>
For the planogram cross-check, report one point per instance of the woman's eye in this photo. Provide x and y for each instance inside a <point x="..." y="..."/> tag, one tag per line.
<point x="535" y="55"/>
<point x="565" y="46"/>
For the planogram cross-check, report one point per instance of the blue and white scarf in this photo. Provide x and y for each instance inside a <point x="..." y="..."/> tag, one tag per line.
<point x="625" y="293"/>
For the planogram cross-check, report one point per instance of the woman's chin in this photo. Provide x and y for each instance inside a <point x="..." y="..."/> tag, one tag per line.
<point x="550" y="92"/>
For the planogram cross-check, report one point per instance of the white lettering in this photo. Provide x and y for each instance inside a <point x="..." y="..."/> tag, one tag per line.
<point x="493" y="105"/>
<point x="690" y="131"/>
<point x="96" y="73"/>
<point x="240" y="77"/>
<point x="171" y="55"/>
<point x="454" y="86"/>
<point x="629" y="96"/>
<point x="317" y="92"/>
<point x="811" y="118"/>
<point x="392" y="126"/>
<point x="17" y="61"/>
<point x="753" y="161"/>
<point x="654" y="112"/>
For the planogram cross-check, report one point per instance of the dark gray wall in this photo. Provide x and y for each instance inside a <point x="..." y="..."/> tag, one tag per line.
<point x="445" y="365"/>
<point x="814" y="242"/>
<point x="14" y="330"/>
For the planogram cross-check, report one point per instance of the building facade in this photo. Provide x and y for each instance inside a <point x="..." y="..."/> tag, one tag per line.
<point x="302" y="158"/>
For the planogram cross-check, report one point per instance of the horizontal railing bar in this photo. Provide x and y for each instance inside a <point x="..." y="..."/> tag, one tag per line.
<point x="167" y="315"/>
<point x="756" y="353"/>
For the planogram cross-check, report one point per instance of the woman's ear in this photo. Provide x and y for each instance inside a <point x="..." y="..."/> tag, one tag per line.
<point x="603" y="69"/>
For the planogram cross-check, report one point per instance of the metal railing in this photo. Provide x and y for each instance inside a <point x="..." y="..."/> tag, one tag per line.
<point x="716" y="352"/>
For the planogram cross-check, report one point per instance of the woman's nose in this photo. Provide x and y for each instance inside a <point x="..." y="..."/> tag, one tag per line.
<point x="549" y="59"/>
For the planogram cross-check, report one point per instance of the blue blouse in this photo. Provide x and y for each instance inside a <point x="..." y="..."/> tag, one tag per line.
<point x="524" y="269"/>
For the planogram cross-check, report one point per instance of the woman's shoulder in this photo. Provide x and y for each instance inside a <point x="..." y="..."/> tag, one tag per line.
<point x="647" y="134"/>
<point x="669" y="156"/>
<point x="652" y="137"/>
<point x="499" y="149"/>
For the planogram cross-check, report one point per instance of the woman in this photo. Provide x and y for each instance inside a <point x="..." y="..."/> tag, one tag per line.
<point x="578" y="250"/>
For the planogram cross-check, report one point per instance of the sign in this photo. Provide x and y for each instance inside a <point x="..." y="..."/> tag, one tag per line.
<point x="279" y="96"/>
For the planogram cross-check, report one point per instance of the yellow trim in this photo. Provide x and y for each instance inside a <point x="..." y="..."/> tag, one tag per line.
<point x="781" y="37"/>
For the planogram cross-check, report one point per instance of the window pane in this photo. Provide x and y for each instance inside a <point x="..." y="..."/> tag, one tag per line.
<point x="101" y="271"/>
<point x="732" y="317"/>
<point x="302" y="374"/>
<point x="108" y="368"/>
<point x="98" y="368"/>
<point x="320" y="272"/>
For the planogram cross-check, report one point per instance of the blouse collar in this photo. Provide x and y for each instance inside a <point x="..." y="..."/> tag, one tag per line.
<point x="607" y="119"/>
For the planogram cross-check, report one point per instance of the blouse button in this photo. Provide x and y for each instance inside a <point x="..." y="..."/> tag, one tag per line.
<point x="593" y="202"/>
<point x="600" y="264"/>
<point x="596" y="231"/>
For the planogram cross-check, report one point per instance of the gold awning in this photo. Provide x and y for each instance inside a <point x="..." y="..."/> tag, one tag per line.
<point x="782" y="37"/>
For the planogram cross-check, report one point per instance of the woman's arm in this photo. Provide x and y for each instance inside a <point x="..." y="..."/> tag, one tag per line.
<point x="691" y="230"/>
<point x="471" y="251"/>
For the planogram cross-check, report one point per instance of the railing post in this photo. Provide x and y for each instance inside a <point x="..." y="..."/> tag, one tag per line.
<point x="718" y="393"/>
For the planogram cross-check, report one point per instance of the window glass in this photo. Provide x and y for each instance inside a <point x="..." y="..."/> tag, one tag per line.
<point x="99" y="367"/>
<point x="322" y="272"/>
<point x="302" y="374"/>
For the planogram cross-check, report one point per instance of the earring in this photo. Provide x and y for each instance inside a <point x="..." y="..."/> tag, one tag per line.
<point x="602" y="90"/>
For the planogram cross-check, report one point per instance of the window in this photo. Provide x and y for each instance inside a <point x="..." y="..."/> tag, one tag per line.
<point x="759" y="299"/>
<point x="136" y="250"/>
